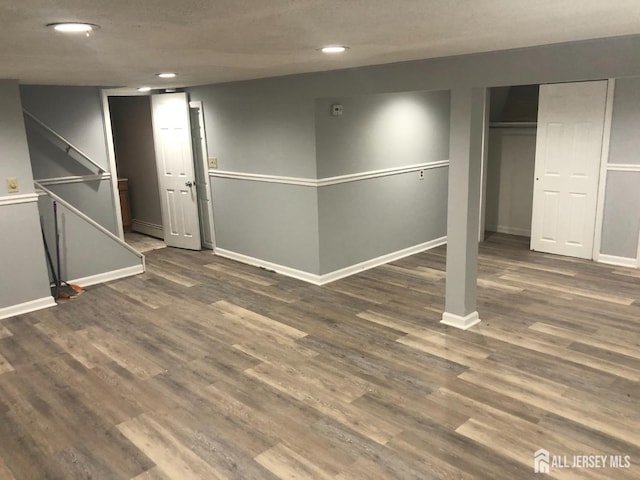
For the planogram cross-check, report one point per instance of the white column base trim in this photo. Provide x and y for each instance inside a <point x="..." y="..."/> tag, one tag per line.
<point x="31" y="306"/>
<point x="337" y="274"/>
<point x="151" y="229"/>
<point x="463" y="323"/>
<point x="618" y="261"/>
<point x="108" y="276"/>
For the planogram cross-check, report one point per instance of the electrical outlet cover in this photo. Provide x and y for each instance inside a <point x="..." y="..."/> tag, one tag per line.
<point x="213" y="162"/>
<point x="12" y="185"/>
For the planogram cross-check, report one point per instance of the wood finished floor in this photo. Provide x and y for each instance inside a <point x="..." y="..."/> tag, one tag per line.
<point x="204" y="368"/>
<point x="143" y="243"/>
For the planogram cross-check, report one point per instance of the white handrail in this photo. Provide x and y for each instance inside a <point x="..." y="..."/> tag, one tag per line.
<point x="89" y="220"/>
<point x="72" y="179"/>
<point x="70" y="146"/>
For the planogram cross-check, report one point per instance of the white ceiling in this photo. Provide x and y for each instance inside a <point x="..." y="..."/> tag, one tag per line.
<point x="212" y="41"/>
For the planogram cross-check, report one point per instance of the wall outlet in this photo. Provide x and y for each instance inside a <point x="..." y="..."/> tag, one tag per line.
<point x="421" y="174"/>
<point x="213" y="162"/>
<point x="12" y="185"/>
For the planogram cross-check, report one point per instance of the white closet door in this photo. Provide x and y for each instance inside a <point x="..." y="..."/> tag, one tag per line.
<point x="568" y="152"/>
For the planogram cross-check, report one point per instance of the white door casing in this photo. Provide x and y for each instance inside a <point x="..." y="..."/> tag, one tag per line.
<point x="176" y="176"/>
<point x="568" y="152"/>
<point x="200" y="155"/>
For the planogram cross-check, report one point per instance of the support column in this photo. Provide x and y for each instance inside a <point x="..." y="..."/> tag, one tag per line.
<point x="468" y="108"/>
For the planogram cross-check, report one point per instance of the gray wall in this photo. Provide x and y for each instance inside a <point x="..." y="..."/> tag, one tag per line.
<point x="84" y="250"/>
<point x="510" y="177"/>
<point x="73" y="112"/>
<point x="298" y="227"/>
<point x="621" y="219"/>
<point x="625" y="141"/>
<point x="135" y="155"/>
<point x="76" y="114"/>
<point x="381" y="131"/>
<point x="370" y="218"/>
<point x="48" y="157"/>
<point x="24" y="276"/>
<point x="269" y="126"/>
<point x="269" y="221"/>
<point x="14" y="155"/>
<point x="250" y="130"/>
<point x="498" y="101"/>
<point x="93" y="198"/>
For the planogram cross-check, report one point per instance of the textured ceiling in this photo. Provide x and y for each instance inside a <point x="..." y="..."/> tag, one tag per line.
<point x="212" y="41"/>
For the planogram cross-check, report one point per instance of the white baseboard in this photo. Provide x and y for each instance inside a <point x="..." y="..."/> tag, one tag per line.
<point x="618" y="261"/>
<point x="522" y="232"/>
<point x="463" y="323"/>
<point x="108" y="276"/>
<point x="26" y="307"/>
<point x="147" y="228"/>
<point x="376" y="262"/>
<point x="256" y="262"/>
<point x="337" y="274"/>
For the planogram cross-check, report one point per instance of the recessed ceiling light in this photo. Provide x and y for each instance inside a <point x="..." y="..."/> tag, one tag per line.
<point x="333" y="49"/>
<point x="73" y="27"/>
<point x="144" y="89"/>
<point x="167" y="75"/>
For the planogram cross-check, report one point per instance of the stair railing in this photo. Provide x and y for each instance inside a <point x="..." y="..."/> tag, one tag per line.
<point x="88" y="219"/>
<point x="69" y="145"/>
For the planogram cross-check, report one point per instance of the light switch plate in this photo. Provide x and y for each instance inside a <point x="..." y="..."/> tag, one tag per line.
<point x="213" y="162"/>
<point x="12" y="185"/>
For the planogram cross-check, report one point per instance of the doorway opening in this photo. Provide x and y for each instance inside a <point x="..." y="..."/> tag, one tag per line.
<point x="510" y="162"/>
<point x="148" y="146"/>
<point x="545" y="151"/>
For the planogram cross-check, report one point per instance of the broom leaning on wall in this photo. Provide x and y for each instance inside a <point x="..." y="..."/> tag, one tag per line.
<point x="60" y="289"/>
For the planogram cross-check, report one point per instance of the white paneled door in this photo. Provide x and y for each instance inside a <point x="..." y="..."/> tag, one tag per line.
<point x="176" y="177"/>
<point x="567" y="167"/>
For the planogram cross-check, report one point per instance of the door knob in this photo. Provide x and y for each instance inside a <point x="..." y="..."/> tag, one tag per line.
<point x="189" y="184"/>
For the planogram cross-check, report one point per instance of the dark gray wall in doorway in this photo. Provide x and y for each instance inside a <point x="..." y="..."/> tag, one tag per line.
<point x="135" y="155"/>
